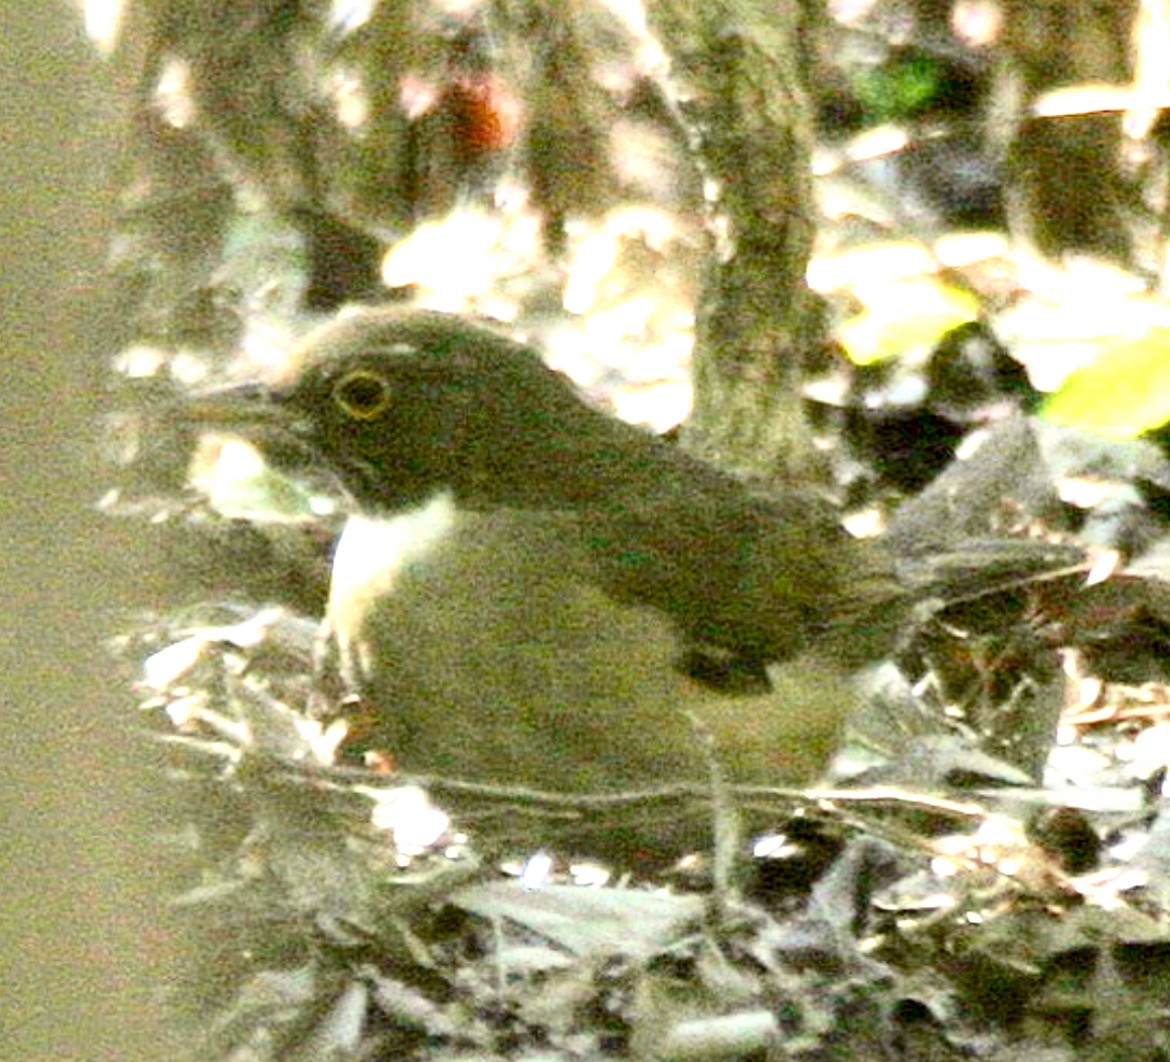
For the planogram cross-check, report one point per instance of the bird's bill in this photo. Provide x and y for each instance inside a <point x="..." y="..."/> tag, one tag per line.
<point x="293" y="482"/>
<point x="247" y="408"/>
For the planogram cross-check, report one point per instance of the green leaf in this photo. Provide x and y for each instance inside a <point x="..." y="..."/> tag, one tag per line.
<point x="899" y="88"/>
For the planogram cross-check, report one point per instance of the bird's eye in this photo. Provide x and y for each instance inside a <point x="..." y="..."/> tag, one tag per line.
<point x="362" y="394"/>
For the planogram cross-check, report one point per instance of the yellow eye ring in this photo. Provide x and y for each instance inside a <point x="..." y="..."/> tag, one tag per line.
<point x="362" y="394"/>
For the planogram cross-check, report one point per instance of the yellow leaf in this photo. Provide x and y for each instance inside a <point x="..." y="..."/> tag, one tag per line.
<point x="1122" y="393"/>
<point x="903" y="315"/>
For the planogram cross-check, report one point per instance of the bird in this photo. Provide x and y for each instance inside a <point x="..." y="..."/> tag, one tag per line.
<point x="533" y="593"/>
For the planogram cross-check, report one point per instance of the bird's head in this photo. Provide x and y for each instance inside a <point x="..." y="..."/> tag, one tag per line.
<point x="402" y="404"/>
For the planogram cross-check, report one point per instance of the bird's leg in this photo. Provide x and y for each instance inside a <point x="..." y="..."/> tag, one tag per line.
<point x="336" y="687"/>
<point x="337" y="692"/>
